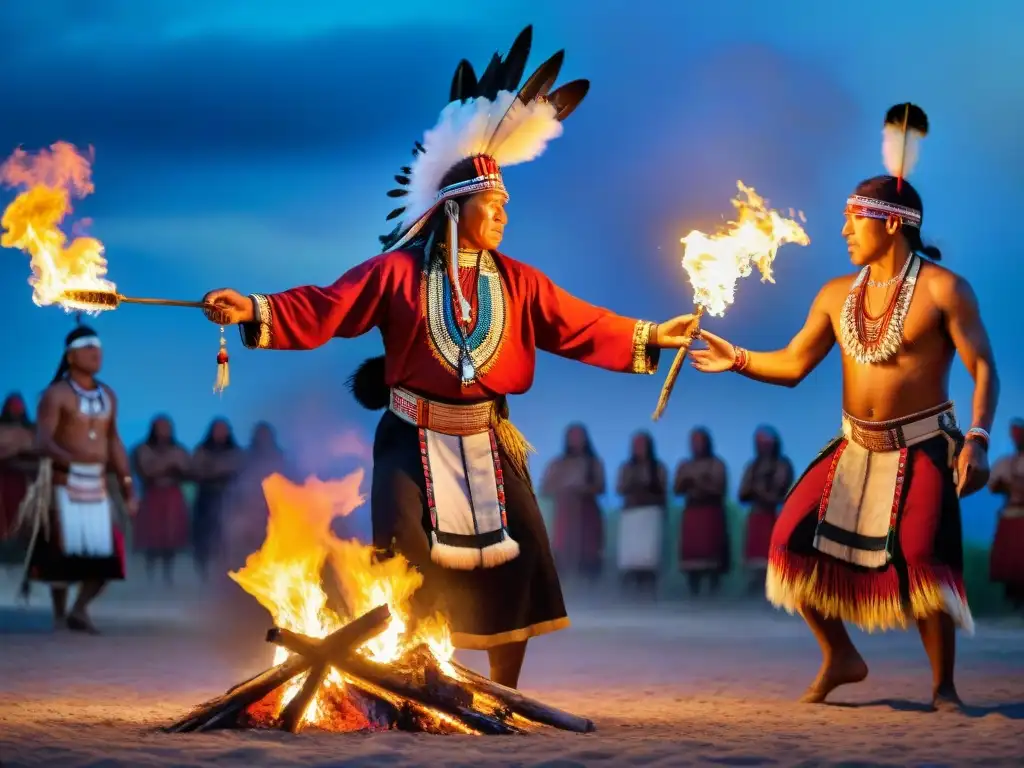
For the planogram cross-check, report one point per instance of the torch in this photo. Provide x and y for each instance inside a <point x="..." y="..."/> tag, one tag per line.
<point x="70" y="274"/>
<point x="714" y="264"/>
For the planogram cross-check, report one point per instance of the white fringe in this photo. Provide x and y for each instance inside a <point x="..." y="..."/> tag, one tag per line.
<point x="471" y="558"/>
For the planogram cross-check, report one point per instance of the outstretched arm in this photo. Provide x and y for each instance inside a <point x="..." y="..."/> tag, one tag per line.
<point x="570" y="327"/>
<point x="959" y="305"/>
<point x="785" y="367"/>
<point x="309" y="316"/>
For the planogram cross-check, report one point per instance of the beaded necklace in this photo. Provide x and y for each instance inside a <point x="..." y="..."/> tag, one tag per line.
<point x="876" y="339"/>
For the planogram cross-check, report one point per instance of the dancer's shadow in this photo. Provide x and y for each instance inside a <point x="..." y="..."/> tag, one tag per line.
<point x="1011" y="711"/>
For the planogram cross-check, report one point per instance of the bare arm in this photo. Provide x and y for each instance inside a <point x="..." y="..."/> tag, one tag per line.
<point x="957" y="301"/>
<point x="785" y="367"/>
<point x="50" y="406"/>
<point x="789" y="366"/>
<point x="117" y="456"/>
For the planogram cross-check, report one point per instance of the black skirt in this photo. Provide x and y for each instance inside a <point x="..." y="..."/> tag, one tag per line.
<point x="47" y="561"/>
<point x="485" y="607"/>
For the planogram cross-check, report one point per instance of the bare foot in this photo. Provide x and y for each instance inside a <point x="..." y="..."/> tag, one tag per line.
<point x="946" y="699"/>
<point x="842" y="670"/>
<point x="80" y="622"/>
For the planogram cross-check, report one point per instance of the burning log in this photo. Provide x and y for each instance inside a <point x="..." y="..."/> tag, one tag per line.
<point x="224" y="710"/>
<point x="522" y="705"/>
<point x="451" y="699"/>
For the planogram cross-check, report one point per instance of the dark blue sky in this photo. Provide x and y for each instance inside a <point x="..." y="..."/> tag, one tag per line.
<point x="252" y="148"/>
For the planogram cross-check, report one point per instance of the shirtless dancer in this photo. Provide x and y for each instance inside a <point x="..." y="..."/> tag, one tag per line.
<point x="74" y="537"/>
<point x="871" y="532"/>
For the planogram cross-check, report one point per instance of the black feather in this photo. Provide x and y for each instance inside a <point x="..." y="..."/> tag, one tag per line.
<point x="417" y="148"/>
<point x="395" y="214"/>
<point x="566" y="98"/>
<point x="402" y="179"/>
<point x="464" y="85"/>
<point x="406" y="170"/>
<point x="490" y="80"/>
<point x="397" y="192"/>
<point x="515" y="60"/>
<point x="540" y="82"/>
<point x="538" y="85"/>
<point x="916" y="118"/>
<point x="368" y="385"/>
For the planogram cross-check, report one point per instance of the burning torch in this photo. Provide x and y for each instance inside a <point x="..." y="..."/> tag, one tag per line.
<point x="715" y="263"/>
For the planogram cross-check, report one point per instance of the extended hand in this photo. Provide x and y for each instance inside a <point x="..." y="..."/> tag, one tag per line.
<point x="232" y="307"/>
<point x="719" y="355"/>
<point x="972" y="468"/>
<point x="676" y="333"/>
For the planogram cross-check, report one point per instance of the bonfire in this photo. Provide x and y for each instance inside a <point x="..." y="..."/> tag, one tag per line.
<point x="351" y="654"/>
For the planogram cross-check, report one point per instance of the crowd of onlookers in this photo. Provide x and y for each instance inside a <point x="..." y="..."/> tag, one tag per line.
<point x="208" y="501"/>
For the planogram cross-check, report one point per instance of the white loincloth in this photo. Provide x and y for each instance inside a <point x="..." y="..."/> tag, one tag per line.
<point x="466" y="501"/>
<point x="84" y="513"/>
<point x="640" y="536"/>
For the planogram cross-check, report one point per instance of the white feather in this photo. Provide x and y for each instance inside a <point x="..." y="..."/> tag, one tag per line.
<point x="466" y="129"/>
<point x="895" y="155"/>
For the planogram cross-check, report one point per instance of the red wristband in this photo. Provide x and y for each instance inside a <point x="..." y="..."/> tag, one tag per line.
<point x="741" y="359"/>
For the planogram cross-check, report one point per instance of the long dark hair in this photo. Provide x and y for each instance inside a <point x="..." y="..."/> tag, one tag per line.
<point x="588" y="449"/>
<point x="7" y="416"/>
<point x="651" y="461"/>
<point x="210" y="444"/>
<point x="151" y="439"/>
<point x="709" y="444"/>
<point x="764" y="429"/>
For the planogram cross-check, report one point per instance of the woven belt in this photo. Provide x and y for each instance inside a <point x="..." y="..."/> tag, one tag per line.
<point x="448" y="419"/>
<point x="882" y="436"/>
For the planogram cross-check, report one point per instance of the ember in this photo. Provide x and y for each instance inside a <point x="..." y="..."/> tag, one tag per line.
<point x="382" y="670"/>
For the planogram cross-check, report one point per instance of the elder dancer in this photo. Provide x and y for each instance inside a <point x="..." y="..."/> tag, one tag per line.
<point x="461" y="324"/>
<point x="871" y="532"/>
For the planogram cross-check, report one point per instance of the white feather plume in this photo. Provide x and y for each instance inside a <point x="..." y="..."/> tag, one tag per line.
<point x="464" y="130"/>
<point x="894" y="155"/>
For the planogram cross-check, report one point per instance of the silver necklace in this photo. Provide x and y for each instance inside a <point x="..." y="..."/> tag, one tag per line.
<point x="91" y="403"/>
<point x="885" y="283"/>
<point x="886" y="342"/>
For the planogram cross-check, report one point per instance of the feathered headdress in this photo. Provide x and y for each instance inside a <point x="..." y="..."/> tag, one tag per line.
<point x="905" y="125"/>
<point x="489" y="123"/>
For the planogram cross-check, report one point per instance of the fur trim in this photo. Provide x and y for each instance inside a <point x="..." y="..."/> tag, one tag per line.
<point x="368" y="386"/>
<point x="471" y="558"/>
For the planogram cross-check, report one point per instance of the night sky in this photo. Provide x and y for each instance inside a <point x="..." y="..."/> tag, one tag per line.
<point x="250" y="145"/>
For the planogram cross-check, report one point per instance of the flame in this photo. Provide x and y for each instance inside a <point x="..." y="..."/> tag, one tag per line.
<point x="714" y="263"/>
<point x="285" y="576"/>
<point x="48" y="181"/>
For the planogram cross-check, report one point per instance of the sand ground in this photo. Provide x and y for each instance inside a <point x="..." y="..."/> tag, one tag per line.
<point x="672" y="684"/>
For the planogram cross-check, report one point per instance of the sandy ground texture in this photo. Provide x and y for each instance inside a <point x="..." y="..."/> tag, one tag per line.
<point x="673" y="684"/>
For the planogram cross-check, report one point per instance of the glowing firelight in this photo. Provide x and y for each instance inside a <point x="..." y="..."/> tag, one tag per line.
<point x="714" y="263"/>
<point x="285" y="576"/>
<point x="48" y="180"/>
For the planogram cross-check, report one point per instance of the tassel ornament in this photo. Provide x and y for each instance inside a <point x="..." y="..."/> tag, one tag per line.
<point x="223" y="373"/>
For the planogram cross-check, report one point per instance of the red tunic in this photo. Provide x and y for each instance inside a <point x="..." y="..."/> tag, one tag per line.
<point x="393" y="293"/>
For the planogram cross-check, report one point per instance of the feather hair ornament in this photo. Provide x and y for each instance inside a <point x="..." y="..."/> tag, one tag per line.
<point x="488" y="116"/>
<point x="905" y="125"/>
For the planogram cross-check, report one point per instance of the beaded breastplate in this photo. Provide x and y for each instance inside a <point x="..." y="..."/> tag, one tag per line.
<point x="466" y="352"/>
<point x="877" y="339"/>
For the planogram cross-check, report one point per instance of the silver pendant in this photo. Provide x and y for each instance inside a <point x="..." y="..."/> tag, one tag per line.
<point x="468" y="369"/>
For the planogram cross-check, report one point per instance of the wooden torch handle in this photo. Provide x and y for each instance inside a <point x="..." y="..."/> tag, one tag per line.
<point x="677" y="365"/>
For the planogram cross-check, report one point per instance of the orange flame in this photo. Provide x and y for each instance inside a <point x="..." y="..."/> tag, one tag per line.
<point x="285" y="575"/>
<point x="49" y="179"/>
<point x="714" y="263"/>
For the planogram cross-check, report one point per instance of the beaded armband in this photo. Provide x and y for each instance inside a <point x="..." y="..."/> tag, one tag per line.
<point x="741" y="359"/>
